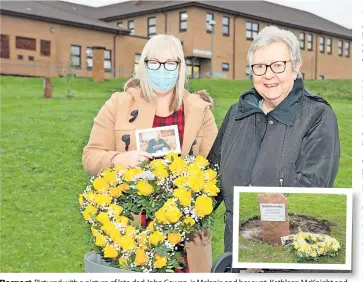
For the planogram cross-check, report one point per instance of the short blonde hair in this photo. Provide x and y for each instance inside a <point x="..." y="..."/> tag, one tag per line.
<point x="162" y="45"/>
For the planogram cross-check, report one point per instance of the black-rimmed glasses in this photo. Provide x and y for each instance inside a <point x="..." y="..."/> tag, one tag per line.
<point x="168" y="65"/>
<point x="276" y="67"/>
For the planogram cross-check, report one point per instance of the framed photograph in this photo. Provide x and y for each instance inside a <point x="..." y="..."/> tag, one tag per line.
<point x="292" y="228"/>
<point x="158" y="141"/>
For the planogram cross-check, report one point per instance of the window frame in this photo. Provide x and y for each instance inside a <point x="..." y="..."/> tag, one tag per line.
<point x="252" y="30"/>
<point x="302" y="40"/>
<point x="329" y="46"/>
<point x="5" y="42"/>
<point x="72" y="55"/>
<point x="340" y="48"/>
<point x="110" y="60"/>
<point x="347" y="49"/>
<point x="149" y="35"/>
<point x="89" y="57"/>
<point x="182" y="21"/>
<point x="224" y="25"/>
<point x="322" y="44"/>
<point x="225" y="69"/>
<point x="132" y="30"/>
<point x="311" y="42"/>
<point x="207" y="22"/>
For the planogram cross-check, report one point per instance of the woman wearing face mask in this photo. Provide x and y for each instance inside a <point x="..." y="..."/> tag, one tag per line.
<point x="155" y="97"/>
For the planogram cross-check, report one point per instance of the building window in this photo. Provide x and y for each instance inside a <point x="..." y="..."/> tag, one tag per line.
<point x="347" y="49"/>
<point x="131" y="27"/>
<point x="340" y="47"/>
<point x="151" y="27"/>
<point x="209" y="18"/>
<point x="25" y="43"/>
<point x="225" y="26"/>
<point x="192" y="67"/>
<point x="45" y="48"/>
<point x="322" y="44"/>
<point x="20" y="57"/>
<point x="321" y="77"/>
<point x="107" y="63"/>
<point x="183" y="24"/>
<point x="302" y="40"/>
<point x="31" y="58"/>
<point x="75" y="56"/>
<point x="310" y="42"/>
<point x="136" y="63"/>
<point x="303" y="76"/>
<point x="225" y="67"/>
<point x="248" y="73"/>
<point x="251" y="30"/>
<point x="5" y="46"/>
<point x="329" y="48"/>
<point x="89" y="58"/>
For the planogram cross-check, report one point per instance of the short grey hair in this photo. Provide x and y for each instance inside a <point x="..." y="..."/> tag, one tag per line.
<point x="271" y="34"/>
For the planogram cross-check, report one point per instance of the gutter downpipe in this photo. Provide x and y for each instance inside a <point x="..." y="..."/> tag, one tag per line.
<point x="234" y="47"/>
<point x="114" y="53"/>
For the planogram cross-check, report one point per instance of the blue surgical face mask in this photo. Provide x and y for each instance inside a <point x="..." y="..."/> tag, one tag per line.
<point x="162" y="80"/>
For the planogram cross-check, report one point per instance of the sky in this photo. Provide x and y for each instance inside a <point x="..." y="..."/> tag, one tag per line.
<point x="337" y="11"/>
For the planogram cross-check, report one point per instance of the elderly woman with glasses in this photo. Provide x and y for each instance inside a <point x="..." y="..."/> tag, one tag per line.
<point x="155" y="97"/>
<point x="278" y="133"/>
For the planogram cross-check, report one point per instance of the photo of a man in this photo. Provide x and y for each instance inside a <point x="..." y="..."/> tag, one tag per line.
<point x="157" y="144"/>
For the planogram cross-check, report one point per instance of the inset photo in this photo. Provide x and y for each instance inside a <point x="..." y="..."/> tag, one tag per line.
<point x="158" y="141"/>
<point x="292" y="228"/>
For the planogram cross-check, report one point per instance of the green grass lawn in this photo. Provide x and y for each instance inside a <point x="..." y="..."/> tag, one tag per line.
<point x="317" y="205"/>
<point x="42" y="175"/>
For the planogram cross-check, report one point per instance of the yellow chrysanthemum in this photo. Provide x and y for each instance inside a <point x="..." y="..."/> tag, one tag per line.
<point x="210" y="174"/>
<point x="119" y="168"/>
<point x="189" y="221"/>
<point x="178" y="165"/>
<point x="203" y="206"/>
<point x="122" y="219"/>
<point x="313" y="254"/>
<point x="161" y="172"/>
<point x="131" y="173"/>
<point x="110" y="177"/>
<point x="144" y="188"/>
<point x="101" y="199"/>
<point x="100" y="240"/>
<point x="181" y="181"/>
<point x="124" y="187"/>
<point x="196" y="183"/>
<point x="100" y="184"/>
<point x="160" y="261"/>
<point x="150" y="226"/>
<point x="184" y="196"/>
<point x="110" y="252"/>
<point x="103" y="217"/>
<point x="130" y="231"/>
<point x="142" y="240"/>
<point x="156" y="163"/>
<point x="161" y="216"/>
<point x="174" y="238"/>
<point x="201" y="161"/>
<point x="90" y="197"/>
<point x="211" y="189"/>
<point x="156" y="238"/>
<point x="194" y="170"/>
<point x="173" y="214"/>
<point x="171" y="156"/>
<point x="141" y="257"/>
<point x="127" y="243"/>
<point x="115" y="192"/>
<point x="94" y="230"/>
<point x="81" y="200"/>
<point x="122" y="261"/>
<point x="117" y="210"/>
<point x="89" y="212"/>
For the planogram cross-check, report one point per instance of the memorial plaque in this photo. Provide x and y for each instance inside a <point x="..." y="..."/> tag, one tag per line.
<point x="273" y="217"/>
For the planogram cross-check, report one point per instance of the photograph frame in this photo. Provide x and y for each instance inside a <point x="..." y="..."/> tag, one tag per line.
<point x="347" y="266"/>
<point x="156" y="129"/>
